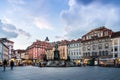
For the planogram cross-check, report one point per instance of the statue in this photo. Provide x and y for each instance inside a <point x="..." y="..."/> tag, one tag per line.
<point x="56" y="46"/>
<point x="56" y="52"/>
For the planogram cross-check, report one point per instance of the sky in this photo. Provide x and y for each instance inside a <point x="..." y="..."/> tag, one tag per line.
<point x="25" y="21"/>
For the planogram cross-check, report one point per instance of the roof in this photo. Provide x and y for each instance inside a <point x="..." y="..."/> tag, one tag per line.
<point x="6" y="40"/>
<point x="20" y="50"/>
<point x="63" y="42"/>
<point x="4" y="44"/>
<point x="75" y="41"/>
<point x="115" y="34"/>
<point x="103" y="28"/>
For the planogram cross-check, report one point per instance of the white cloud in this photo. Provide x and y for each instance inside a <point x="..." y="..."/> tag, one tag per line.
<point x="81" y="18"/>
<point x="6" y="20"/>
<point x="42" y="23"/>
<point x="10" y="31"/>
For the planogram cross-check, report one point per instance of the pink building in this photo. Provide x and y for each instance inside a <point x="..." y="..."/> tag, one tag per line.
<point x="37" y="50"/>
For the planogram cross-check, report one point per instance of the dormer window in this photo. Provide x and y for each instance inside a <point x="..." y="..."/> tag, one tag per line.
<point x="106" y="33"/>
<point x="83" y="38"/>
<point x="101" y="34"/>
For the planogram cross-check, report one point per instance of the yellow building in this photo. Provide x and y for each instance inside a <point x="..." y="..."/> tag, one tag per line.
<point x="50" y="51"/>
<point x="63" y="49"/>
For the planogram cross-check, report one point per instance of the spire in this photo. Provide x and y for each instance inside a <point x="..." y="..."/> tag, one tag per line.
<point x="46" y="39"/>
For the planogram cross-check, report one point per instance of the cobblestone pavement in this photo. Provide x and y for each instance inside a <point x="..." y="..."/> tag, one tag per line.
<point x="57" y="73"/>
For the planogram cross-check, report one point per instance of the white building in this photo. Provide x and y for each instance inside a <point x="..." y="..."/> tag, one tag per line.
<point x="9" y="44"/>
<point x="116" y="45"/>
<point x="3" y="52"/>
<point x="74" y="50"/>
<point x="97" y="43"/>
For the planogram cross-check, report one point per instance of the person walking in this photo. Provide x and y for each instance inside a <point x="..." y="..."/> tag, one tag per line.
<point x="11" y="64"/>
<point x="4" y="64"/>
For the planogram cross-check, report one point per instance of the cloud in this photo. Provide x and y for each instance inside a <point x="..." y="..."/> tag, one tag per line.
<point x="21" y="32"/>
<point x="10" y="31"/>
<point x="81" y="17"/>
<point x="42" y="23"/>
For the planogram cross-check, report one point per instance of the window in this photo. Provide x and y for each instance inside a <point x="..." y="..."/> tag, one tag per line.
<point x="103" y="53"/>
<point x="100" y="53"/>
<point x="106" y="40"/>
<point x="93" y="47"/>
<point x="106" y="53"/>
<point x="88" y="48"/>
<point x="83" y="54"/>
<point x="79" y="53"/>
<point x="100" y="46"/>
<point x="116" y="55"/>
<point x="84" y="48"/>
<point x="106" y="45"/>
<point x="101" y="34"/>
<point x="106" y="33"/>
<point x="83" y="38"/>
<point x="88" y="53"/>
<point x="93" y="53"/>
<point x="116" y="49"/>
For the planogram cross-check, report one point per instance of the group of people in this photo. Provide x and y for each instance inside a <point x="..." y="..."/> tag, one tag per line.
<point x="5" y="64"/>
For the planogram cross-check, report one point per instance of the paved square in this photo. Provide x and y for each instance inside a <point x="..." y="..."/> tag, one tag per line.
<point x="57" y="73"/>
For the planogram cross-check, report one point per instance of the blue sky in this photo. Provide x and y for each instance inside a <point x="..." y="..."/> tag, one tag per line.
<point x="25" y="21"/>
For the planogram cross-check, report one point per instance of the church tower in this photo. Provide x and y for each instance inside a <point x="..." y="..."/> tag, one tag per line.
<point x="47" y="39"/>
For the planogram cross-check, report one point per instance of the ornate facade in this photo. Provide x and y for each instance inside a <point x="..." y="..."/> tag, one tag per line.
<point x="97" y="43"/>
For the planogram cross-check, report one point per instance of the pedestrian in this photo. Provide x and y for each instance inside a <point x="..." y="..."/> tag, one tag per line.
<point x="4" y="64"/>
<point x="11" y="64"/>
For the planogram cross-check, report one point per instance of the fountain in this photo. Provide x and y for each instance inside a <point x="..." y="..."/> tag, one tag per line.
<point x="57" y="62"/>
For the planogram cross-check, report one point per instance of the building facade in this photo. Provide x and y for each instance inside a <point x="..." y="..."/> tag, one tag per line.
<point x="97" y="43"/>
<point x="63" y="49"/>
<point x="37" y="50"/>
<point x="9" y="44"/>
<point x="116" y="44"/>
<point x="50" y="51"/>
<point x="3" y="52"/>
<point x="75" y="50"/>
